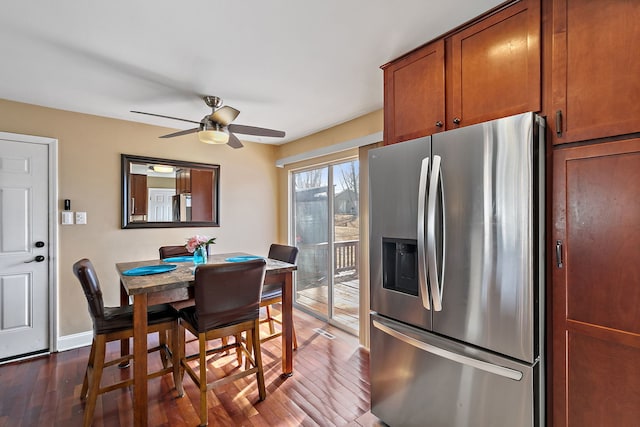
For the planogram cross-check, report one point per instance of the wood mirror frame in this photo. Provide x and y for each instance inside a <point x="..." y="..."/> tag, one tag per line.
<point x="194" y="201"/>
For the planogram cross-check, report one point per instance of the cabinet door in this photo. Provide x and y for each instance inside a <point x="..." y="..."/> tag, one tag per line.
<point x="596" y="285"/>
<point x="201" y="195"/>
<point x="138" y="194"/>
<point x="595" y="69"/>
<point x="495" y="66"/>
<point x="414" y="94"/>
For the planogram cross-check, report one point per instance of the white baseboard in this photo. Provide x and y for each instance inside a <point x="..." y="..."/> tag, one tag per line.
<point x="69" y="342"/>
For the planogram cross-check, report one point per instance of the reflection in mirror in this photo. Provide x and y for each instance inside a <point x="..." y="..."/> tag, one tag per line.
<point x="159" y="193"/>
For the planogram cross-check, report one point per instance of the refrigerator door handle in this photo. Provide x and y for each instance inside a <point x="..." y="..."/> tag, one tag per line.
<point x="422" y="261"/>
<point x="455" y="357"/>
<point x="436" y="283"/>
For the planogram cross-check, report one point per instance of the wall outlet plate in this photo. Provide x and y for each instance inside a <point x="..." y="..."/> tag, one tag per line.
<point x="81" y="217"/>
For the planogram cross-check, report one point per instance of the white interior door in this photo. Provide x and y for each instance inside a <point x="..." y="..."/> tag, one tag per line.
<point x="159" y="206"/>
<point x="24" y="248"/>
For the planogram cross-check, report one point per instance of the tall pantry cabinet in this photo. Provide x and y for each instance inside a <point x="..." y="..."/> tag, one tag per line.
<point x="596" y="285"/>
<point x="593" y="124"/>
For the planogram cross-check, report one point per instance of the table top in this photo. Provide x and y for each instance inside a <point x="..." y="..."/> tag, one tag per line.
<point x="182" y="276"/>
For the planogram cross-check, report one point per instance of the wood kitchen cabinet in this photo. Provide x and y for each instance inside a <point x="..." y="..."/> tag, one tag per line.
<point x="493" y="66"/>
<point x="414" y="94"/>
<point x="139" y="195"/>
<point x="596" y="285"/>
<point x="183" y="181"/>
<point x="487" y="70"/>
<point x="202" y="193"/>
<point x="595" y="69"/>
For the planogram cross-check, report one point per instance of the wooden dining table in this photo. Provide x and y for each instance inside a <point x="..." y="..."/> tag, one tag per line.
<point x="148" y="289"/>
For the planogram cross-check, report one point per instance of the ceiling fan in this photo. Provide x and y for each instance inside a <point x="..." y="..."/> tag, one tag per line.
<point x="216" y="128"/>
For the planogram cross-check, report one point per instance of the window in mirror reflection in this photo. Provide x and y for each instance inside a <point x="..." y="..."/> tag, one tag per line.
<point x="169" y="193"/>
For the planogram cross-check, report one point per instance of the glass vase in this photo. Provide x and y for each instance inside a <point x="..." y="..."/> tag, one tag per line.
<point x="200" y="255"/>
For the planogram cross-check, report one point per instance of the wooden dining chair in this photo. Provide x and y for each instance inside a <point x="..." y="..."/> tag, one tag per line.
<point x="114" y="324"/>
<point x="173" y="250"/>
<point x="272" y="292"/>
<point x="227" y="304"/>
<point x="178" y="298"/>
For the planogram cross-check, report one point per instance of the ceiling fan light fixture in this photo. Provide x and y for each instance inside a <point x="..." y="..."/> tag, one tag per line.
<point x="213" y="136"/>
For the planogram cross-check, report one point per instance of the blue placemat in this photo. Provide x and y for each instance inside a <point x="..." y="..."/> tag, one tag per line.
<point x="185" y="258"/>
<point x="150" y="269"/>
<point x="242" y="258"/>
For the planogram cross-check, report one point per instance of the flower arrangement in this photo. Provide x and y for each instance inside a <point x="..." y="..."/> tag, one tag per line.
<point x="197" y="241"/>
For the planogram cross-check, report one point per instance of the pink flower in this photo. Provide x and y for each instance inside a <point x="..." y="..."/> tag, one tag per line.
<point x="194" y="242"/>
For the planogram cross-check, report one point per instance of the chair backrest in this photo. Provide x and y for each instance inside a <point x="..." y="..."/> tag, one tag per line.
<point x="283" y="253"/>
<point x="88" y="278"/>
<point x="175" y="250"/>
<point x="229" y="293"/>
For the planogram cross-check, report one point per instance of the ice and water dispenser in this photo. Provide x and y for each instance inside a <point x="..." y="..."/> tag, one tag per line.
<point x="400" y="265"/>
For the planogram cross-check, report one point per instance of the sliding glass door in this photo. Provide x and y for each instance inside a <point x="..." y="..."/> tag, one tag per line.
<point x="326" y="219"/>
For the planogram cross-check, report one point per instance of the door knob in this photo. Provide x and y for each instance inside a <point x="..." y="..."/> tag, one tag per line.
<point x="39" y="244"/>
<point x="456" y="121"/>
<point x="439" y="124"/>
<point x="38" y="258"/>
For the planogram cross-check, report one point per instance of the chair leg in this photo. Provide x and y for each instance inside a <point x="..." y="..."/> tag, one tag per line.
<point x="238" y="349"/>
<point x="177" y="353"/>
<point x="94" y="379"/>
<point x="295" y="339"/>
<point x="90" y="364"/>
<point x="225" y="342"/>
<point x="164" y="341"/>
<point x="272" y="329"/>
<point x="249" y="346"/>
<point x="203" y="380"/>
<point x="257" y="357"/>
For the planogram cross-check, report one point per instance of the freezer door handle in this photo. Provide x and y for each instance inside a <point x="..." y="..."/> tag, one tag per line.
<point x="455" y="357"/>
<point x="436" y="281"/>
<point x="422" y="262"/>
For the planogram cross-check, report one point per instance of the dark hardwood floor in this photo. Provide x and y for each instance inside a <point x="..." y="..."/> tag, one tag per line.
<point x="330" y="387"/>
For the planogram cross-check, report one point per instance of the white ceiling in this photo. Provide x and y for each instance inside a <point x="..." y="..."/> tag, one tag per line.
<point x="294" y="65"/>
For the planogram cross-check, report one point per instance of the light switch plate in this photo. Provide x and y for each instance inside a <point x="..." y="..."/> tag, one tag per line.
<point x="81" y="217"/>
<point x="67" y="217"/>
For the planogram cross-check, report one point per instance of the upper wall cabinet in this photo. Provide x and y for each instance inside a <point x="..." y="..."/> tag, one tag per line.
<point x="491" y="68"/>
<point x="495" y="66"/>
<point x="595" y="69"/>
<point x="414" y="94"/>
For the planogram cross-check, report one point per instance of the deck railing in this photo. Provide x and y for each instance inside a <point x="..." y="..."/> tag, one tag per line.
<point x="312" y="261"/>
<point x="345" y="256"/>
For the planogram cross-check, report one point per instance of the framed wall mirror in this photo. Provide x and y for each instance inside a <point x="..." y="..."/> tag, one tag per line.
<point x="164" y="193"/>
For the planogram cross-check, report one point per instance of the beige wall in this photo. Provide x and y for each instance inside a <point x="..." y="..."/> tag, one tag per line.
<point x="89" y="149"/>
<point x="353" y="129"/>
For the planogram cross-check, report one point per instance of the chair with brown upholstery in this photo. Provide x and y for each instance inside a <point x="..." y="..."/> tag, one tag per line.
<point x="178" y="298"/>
<point x="272" y="292"/>
<point x="114" y="324"/>
<point x="227" y="304"/>
<point x="173" y="250"/>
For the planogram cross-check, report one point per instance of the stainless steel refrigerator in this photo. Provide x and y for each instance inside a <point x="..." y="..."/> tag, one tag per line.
<point x="457" y="277"/>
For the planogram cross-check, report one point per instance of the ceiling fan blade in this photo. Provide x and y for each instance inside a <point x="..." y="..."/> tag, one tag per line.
<point x="224" y="115"/>
<point x="234" y="142"/>
<point x="252" y="130"/>
<point x="182" y="132"/>
<point x="165" y="117"/>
